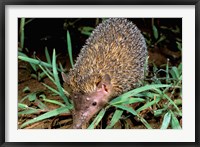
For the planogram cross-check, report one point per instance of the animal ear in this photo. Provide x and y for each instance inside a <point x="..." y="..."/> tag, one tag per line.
<point x="105" y="83"/>
<point x="106" y="79"/>
<point x="64" y="77"/>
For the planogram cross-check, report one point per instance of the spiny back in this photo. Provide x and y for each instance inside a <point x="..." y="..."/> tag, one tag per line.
<point x="117" y="48"/>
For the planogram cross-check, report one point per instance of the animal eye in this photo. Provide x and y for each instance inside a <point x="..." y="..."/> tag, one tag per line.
<point x="94" y="103"/>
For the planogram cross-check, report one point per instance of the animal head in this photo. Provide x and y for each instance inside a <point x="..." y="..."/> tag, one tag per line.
<point x="86" y="105"/>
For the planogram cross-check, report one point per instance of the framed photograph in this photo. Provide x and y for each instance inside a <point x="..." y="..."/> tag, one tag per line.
<point x="103" y="73"/>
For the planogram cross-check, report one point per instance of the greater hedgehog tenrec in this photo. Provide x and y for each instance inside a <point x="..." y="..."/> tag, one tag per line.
<point x="111" y="63"/>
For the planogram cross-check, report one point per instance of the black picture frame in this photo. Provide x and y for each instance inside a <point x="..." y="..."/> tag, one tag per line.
<point x="3" y="4"/>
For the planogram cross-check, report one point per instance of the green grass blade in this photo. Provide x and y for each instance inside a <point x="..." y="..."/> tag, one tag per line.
<point x="29" y="111"/>
<point x="150" y="94"/>
<point x="138" y="90"/>
<point x="22" y="106"/>
<point x="155" y="32"/>
<point x="178" y="102"/>
<point x="47" y="73"/>
<point x="22" y="24"/>
<point x="180" y="78"/>
<point x="35" y="61"/>
<point x="147" y="105"/>
<point x="175" y="69"/>
<point x="180" y="68"/>
<point x="174" y="122"/>
<point x="51" y="101"/>
<point x="159" y="112"/>
<point x="169" y="99"/>
<point x="47" y="115"/>
<point x="69" y="47"/>
<point x="20" y="54"/>
<point x="47" y="55"/>
<point x="147" y="125"/>
<point x="26" y="89"/>
<point x="54" y="102"/>
<point x="28" y="21"/>
<point x="86" y="30"/>
<point x="175" y="73"/>
<point x="133" y="100"/>
<point x="55" y="72"/>
<point x="41" y="75"/>
<point x="61" y="67"/>
<point x="160" y="39"/>
<point x="129" y="109"/>
<point x="31" y="96"/>
<point x="97" y="119"/>
<point x="41" y="105"/>
<point x="166" y="120"/>
<point x="172" y="102"/>
<point x="52" y="89"/>
<point x="127" y="101"/>
<point x="179" y="45"/>
<point x="117" y="115"/>
<point x="145" y="88"/>
<point x="155" y="68"/>
<point x="132" y="111"/>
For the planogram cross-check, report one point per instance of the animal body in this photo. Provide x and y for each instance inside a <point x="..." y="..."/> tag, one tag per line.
<point x="111" y="63"/>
